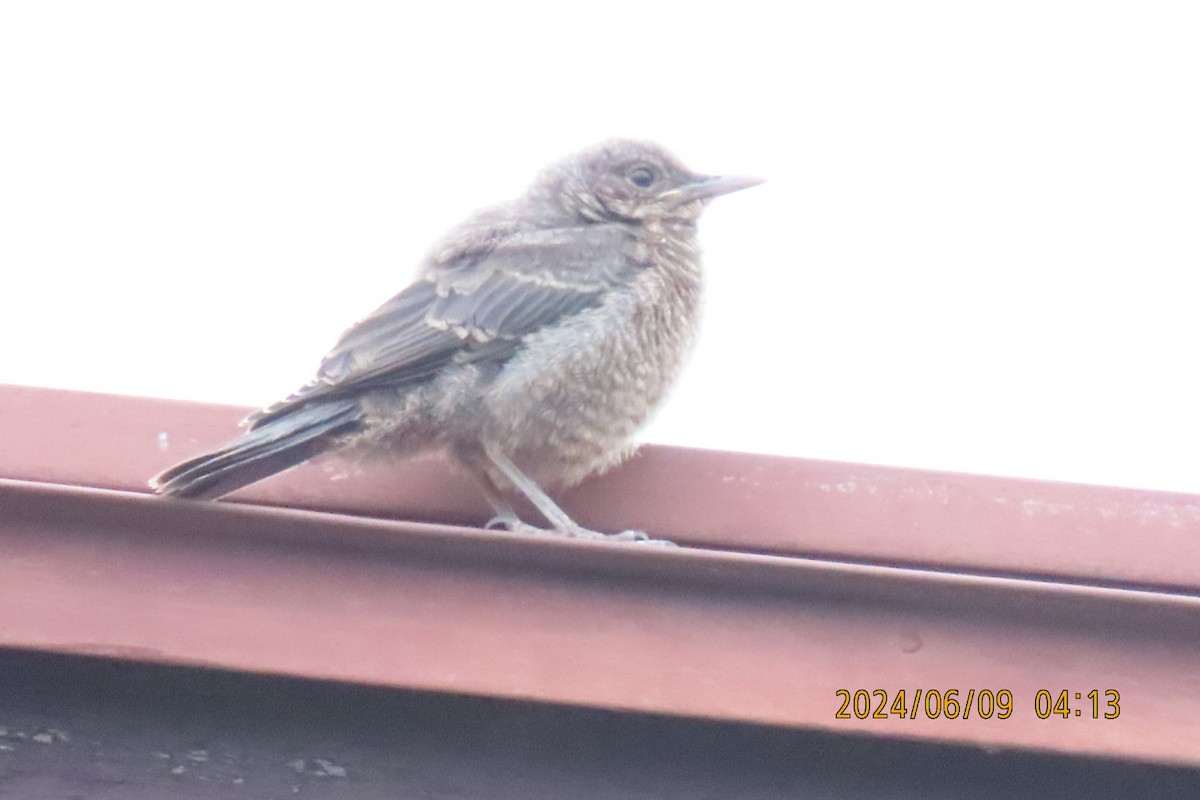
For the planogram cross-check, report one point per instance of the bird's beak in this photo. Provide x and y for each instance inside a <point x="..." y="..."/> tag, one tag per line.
<point x="707" y="187"/>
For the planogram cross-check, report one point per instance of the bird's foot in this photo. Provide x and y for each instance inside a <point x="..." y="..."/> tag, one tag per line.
<point x="512" y="524"/>
<point x="638" y="537"/>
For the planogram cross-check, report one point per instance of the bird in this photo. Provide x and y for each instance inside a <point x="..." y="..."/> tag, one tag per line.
<point x="538" y="337"/>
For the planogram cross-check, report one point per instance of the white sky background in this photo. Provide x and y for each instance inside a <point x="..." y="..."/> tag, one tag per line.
<point x="978" y="249"/>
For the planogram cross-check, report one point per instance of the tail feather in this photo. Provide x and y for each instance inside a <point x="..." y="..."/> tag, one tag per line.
<point x="273" y="447"/>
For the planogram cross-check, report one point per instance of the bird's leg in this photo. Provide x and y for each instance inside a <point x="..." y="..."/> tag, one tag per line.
<point x="506" y="517"/>
<point x="560" y="522"/>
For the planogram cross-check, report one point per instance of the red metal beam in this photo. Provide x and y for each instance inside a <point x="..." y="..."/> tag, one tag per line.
<point x="728" y="636"/>
<point x="745" y="502"/>
<point x="757" y="638"/>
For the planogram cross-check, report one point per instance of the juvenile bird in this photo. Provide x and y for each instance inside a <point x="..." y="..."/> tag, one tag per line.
<point x="539" y="336"/>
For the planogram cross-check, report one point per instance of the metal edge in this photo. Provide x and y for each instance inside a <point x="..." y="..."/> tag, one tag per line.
<point x="753" y="638"/>
<point x="733" y="501"/>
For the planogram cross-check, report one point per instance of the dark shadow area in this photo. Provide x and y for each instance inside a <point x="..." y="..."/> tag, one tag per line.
<point x="73" y="727"/>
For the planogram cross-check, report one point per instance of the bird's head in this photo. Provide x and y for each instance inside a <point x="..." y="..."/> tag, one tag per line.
<point x="632" y="181"/>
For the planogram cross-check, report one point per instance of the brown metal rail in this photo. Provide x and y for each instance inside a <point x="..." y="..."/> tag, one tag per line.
<point x="722" y="634"/>
<point x="736" y="501"/>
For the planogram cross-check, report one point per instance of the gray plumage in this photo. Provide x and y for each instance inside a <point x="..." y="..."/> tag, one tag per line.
<point x="538" y="338"/>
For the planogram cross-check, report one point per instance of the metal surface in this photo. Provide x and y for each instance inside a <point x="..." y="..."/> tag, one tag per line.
<point x="717" y="634"/>
<point x="699" y="633"/>
<point x="746" y="502"/>
<point x="74" y="727"/>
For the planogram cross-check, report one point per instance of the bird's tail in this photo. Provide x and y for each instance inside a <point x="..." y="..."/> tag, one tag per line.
<point x="273" y="446"/>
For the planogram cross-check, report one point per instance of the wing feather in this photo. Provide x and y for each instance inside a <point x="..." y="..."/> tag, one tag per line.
<point x="477" y="299"/>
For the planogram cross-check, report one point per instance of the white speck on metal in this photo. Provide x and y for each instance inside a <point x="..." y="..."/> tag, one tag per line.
<point x="328" y="768"/>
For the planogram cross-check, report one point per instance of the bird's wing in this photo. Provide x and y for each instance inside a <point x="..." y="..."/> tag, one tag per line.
<point x="480" y="294"/>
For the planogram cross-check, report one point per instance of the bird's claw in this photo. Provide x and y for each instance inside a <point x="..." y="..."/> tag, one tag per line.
<point x="636" y="537"/>
<point x="502" y="522"/>
<point x="639" y="537"/>
<point x="510" y="523"/>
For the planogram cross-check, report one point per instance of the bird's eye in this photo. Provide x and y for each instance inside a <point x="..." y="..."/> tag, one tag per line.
<point x="642" y="177"/>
